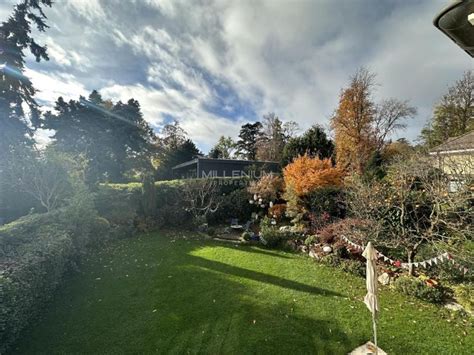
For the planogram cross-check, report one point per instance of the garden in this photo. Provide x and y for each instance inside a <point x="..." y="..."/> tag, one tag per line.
<point x="176" y="293"/>
<point x="104" y="248"/>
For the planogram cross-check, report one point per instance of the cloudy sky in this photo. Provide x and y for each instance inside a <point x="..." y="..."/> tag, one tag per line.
<point x="215" y="65"/>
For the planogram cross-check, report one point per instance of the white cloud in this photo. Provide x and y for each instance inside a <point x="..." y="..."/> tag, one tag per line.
<point x="88" y="9"/>
<point x="67" y="58"/>
<point x="204" y="127"/>
<point x="52" y="85"/>
<point x="185" y="59"/>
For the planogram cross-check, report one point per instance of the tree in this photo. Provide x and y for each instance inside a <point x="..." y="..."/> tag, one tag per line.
<point x="173" y="148"/>
<point x="271" y="143"/>
<point x="361" y="127"/>
<point x="314" y="142"/>
<point x="44" y="176"/>
<point x="454" y="114"/>
<point x="290" y="129"/>
<point x="115" y="138"/>
<point x="305" y="174"/>
<point x="173" y="135"/>
<point x="16" y="90"/>
<point x="388" y="117"/>
<point x="148" y="195"/>
<point x="352" y="122"/>
<point x="249" y="136"/>
<point x="225" y="148"/>
<point x="201" y="198"/>
<point x="183" y="153"/>
<point x="412" y="207"/>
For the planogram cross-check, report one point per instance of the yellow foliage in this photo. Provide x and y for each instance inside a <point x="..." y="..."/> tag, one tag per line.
<point x="306" y="174"/>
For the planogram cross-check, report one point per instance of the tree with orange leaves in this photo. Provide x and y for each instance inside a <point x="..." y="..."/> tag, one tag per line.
<point x="306" y="174"/>
<point x="352" y="122"/>
<point x="362" y="127"/>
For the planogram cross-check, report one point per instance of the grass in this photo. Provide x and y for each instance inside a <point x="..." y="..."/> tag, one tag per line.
<point x="178" y="295"/>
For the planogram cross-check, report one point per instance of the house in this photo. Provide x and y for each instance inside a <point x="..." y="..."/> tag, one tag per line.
<point x="455" y="157"/>
<point x="210" y="168"/>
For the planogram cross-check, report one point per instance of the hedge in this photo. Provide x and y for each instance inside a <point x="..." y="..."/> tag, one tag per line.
<point x="122" y="203"/>
<point x="35" y="253"/>
<point x="37" y="250"/>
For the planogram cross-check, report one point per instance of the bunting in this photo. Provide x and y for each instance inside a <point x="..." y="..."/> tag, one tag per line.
<point x="425" y="263"/>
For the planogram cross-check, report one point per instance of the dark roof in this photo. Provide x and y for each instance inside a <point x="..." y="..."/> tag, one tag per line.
<point x="225" y="161"/>
<point x="457" y="144"/>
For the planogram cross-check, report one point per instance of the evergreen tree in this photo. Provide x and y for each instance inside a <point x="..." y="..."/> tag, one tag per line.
<point x="249" y="136"/>
<point x="314" y="142"/>
<point x="114" y="138"/>
<point x="16" y="90"/>
<point x="224" y="149"/>
<point x="183" y="153"/>
<point x="17" y="93"/>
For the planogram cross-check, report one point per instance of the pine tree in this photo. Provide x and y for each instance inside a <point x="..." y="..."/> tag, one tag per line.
<point x="114" y="138"/>
<point x="249" y="135"/>
<point x="314" y="142"/>
<point x="16" y="90"/>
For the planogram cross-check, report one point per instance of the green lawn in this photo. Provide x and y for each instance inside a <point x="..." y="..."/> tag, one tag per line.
<point x="156" y="294"/>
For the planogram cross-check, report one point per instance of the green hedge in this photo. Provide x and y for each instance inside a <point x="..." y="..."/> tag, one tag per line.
<point x="37" y="250"/>
<point x="121" y="204"/>
<point x="35" y="253"/>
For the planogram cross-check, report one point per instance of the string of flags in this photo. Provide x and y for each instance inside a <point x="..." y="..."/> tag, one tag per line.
<point x="445" y="257"/>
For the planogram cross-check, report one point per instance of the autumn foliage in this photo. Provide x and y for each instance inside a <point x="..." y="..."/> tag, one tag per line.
<point x="306" y="174"/>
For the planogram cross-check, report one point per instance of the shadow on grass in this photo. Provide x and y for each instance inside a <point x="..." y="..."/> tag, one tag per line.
<point x="186" y="304"/>
<point x="258" y="250"/>
<point x="260" y="277"/>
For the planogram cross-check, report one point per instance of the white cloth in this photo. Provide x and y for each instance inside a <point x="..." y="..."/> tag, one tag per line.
<point x="370" y="298"/>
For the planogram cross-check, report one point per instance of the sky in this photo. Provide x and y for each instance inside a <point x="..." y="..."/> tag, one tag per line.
<point x="215" y="65"/>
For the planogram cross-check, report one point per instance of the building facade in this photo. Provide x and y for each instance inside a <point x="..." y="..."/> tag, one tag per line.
<point x="456" y="159"/>
<point x="211" y="168"/>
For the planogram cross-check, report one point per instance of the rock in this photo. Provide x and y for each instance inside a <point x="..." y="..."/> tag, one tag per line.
<point x="453" y="306"/>
<point x="327" y="249"/>
<point x="302" y="248"/>
<point x="312" y="254"/>
<point x="384" y="279"/>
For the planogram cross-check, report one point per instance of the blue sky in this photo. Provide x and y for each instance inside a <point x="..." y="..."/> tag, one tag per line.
<point x="215" y="65"/>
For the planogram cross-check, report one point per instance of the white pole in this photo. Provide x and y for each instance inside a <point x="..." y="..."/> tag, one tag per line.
<point x="374" y="323"/>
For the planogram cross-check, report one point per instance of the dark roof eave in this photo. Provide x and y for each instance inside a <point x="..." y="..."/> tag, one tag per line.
<point x="249" y="162"/>
<point x="188" y="163"/>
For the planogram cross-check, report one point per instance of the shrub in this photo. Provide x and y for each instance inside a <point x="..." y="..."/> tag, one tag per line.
<point x="306" y="174"/>
<point x="312" y="239"/>
<point x="234" y="205"/>
<point x="35" y="253"/>
<point x="119" y="205"/>
<point x="331" y="260"/>
<point x="417" y="288"/>
<point x="273" y="236"/>
<point x="148" y="198"/>
<point x="347" y="227"/>
<point x="354" y="267"/>
<point x="464" y="294"/>
<point x="268" y="187"/>
<point x="327" y="200"/>
<point x="277" y="211"/>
